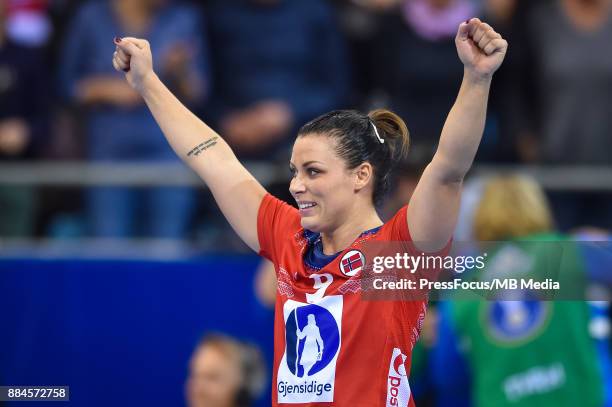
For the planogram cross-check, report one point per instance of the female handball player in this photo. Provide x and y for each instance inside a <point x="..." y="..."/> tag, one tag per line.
<point x="332" y="348"/>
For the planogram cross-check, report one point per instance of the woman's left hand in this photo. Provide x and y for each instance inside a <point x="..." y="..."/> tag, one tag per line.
<point x="480" y="48"/>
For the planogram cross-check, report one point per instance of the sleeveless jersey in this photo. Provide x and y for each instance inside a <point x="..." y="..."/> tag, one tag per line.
<point x="331" y="347"/>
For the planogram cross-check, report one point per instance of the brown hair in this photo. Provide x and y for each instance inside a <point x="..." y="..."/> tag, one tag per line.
<point x="380" y="138"/>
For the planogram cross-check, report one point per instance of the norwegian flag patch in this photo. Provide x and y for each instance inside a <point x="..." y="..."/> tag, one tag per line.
<point x="352" y="263"/>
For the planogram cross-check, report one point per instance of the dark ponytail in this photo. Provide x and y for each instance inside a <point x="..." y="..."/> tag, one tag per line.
<point x="395" y="132"/>
<point x="380" y="138"/>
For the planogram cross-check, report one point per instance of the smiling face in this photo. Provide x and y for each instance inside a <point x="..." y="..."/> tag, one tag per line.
<point x="322" y="186"/>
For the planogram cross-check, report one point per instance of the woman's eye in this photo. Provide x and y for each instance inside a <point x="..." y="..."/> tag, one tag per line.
<point x="312" y="171"/>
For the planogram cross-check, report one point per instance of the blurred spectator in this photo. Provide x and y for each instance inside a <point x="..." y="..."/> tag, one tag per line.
<point x="406" y="178"/>
<point x="562" y="110"/>
<point x="511" y="353"/>
<point x="118" y="125"/>
<point x="360" y="20"/>
<point x="265" y="283"/>
<point x="23" y="106"/>
<point x="28" y="22"/>
<point x="61" y="12"/>
<point x="376" y="5"/>
<point x="499" y="144"/>
<point x="225" y="373"/>
<point x="500" y="13"/>
<point x="278" y="64"/>
<point x="571" y="62"/>
<point x="420" y="80"/>
<point x="420" y="372"/>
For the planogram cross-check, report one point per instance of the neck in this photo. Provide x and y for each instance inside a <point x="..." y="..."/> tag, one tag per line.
<point x="343" y="236"/>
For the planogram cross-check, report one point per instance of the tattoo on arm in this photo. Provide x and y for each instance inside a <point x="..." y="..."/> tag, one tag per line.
<point x="200" y="148"/>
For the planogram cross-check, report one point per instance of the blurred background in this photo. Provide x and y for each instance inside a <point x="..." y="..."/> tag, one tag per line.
<point x="114" y="260"/>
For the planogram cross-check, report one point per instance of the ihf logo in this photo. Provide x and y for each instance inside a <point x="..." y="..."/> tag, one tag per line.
<point x="312" y="340"/>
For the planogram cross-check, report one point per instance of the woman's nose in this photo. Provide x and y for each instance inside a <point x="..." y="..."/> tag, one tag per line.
<point x="296" y="185"/>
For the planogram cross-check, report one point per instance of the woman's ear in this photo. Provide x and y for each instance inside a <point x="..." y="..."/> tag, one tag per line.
<point x="363" y="174"/>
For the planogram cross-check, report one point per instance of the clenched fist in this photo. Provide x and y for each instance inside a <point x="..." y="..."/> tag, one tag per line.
<point x="133" y="56"/>
<point x="480" y="48"/>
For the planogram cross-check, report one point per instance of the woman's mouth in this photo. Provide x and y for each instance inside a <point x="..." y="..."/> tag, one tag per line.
<point x="306" y="208"/>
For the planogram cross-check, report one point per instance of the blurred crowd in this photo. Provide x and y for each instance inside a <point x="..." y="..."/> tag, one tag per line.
<point x="256" y="70"/>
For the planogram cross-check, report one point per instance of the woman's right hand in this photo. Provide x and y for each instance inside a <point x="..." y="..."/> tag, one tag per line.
<point x="133" y="56"/>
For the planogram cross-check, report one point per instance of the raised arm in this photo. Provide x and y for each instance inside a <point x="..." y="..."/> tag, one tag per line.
<point x="236" y="191"/>
<point x="433" y="209"/>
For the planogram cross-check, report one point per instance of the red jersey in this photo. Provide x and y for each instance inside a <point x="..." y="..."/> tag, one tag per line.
<point x="331" y="347"/>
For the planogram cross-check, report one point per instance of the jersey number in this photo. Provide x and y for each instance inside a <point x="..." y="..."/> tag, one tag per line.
<point x="322" y="281"/>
